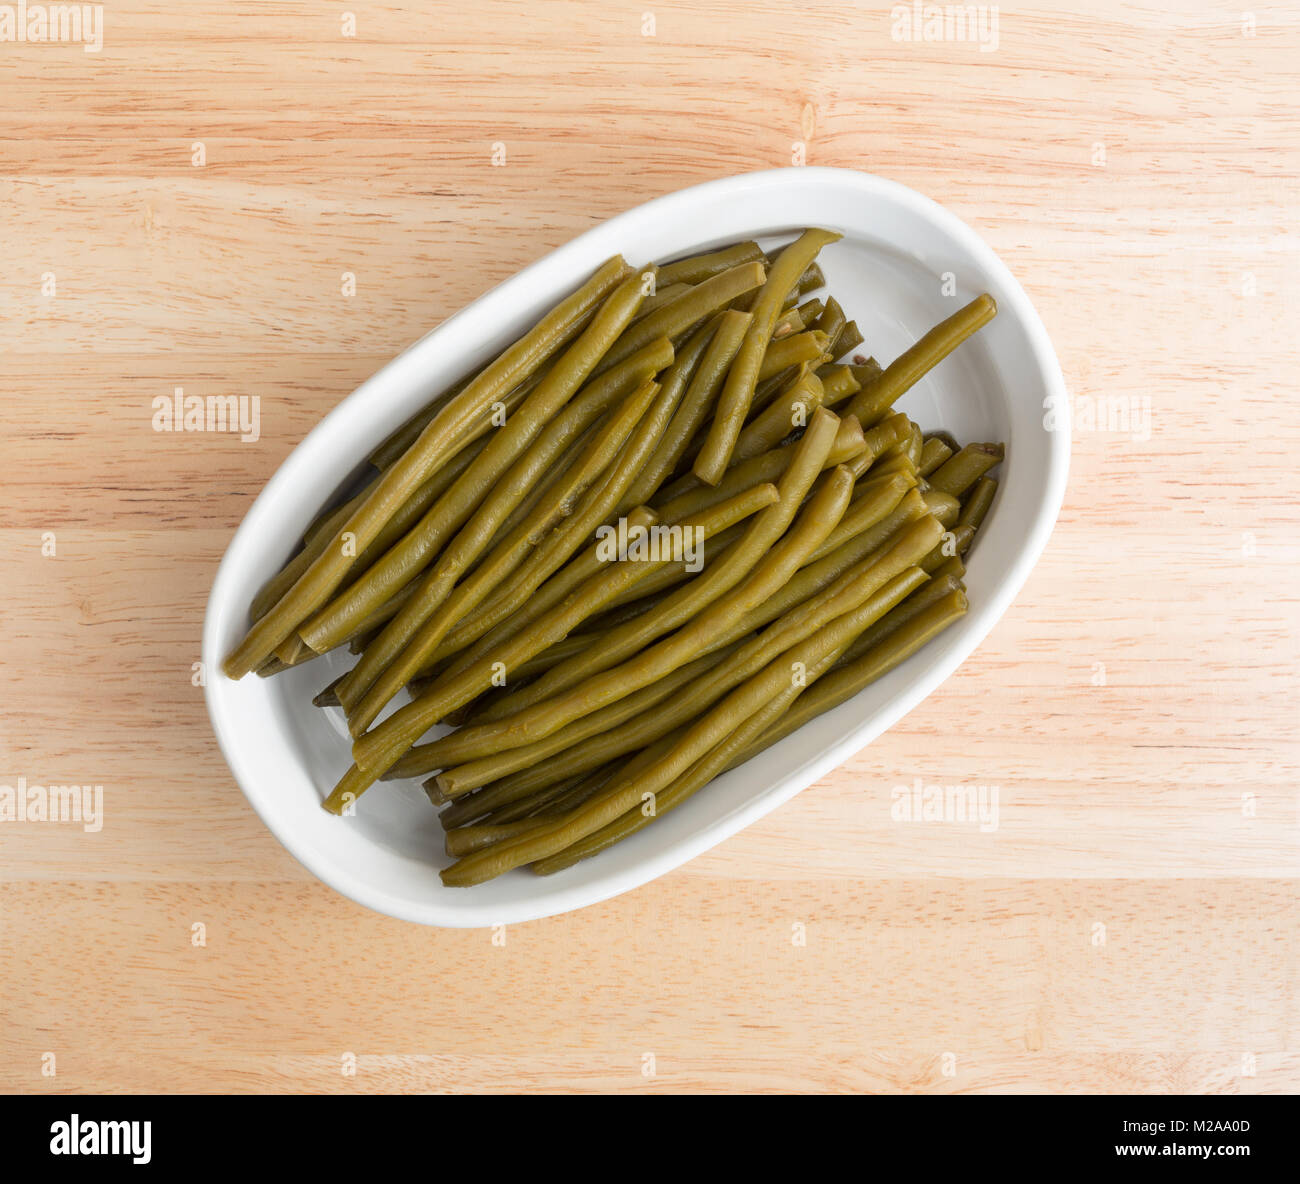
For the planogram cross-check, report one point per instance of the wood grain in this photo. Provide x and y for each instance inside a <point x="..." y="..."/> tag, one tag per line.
<point x="1131" y="924"/>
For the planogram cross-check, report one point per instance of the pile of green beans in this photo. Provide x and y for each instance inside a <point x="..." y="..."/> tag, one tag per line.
<point x="706" y="400"/>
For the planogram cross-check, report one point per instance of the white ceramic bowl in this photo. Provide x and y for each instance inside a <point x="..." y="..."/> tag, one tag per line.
<point x="888" y="273"/>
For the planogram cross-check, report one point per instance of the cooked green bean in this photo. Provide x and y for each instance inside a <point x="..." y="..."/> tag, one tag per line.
<point x="838" y="383"/>
<point x="881" y="533"/>
<point x="832" y="319"/>
<point x="729" y="752"/>
<point x="977" y="503"/>
<point x="655" y="587"/>
<point x="934" y="589"/>
<point x="442" y="480"/>
<point x="738" y="390"/>
<point x="440" y="440"/>
<point x="519" y="604"/>
<point x="950" y="567"/>
<point x="689" y="493"/>
<point x="943" y="506"/>
<point x="661" y="296"/>
<point x="414" y="507"/>
<point x="575" y="643"/>
<point x="696" y="603"/>
<point x="520" y="453"/>
<point x="878" y="512"/>
<point x="846" y="341"/>
<point x="699" y="268"/>
<point x="954" y="542"/>
<point x="933" y="453"/>
<point x="905" y="371"/>
<point x="574" y="795"/>
<point x="790" y="351"/>
<point x="285" y="579"/>
<point x="873" y="401"/>
<point x="490" y="805"/>
<point x="788" y="324"/>
<point x="869" y="581"/>
<point x="475" y="807"/>
<point x="767" y="389"/>
<point x="409" y="432"/>
<point x="781" y="675"/>
<point x="865" y="372"/>
<point x="690" y="382"/>
<point x="324" y="525"/>
<point x="883" y="568"/>
<point x="467" y="839"/>
<point x="876" y="516"/>
<point x="704" y="770"/>
<point x="550" y="554"/>
<point x="895" y="462"/>
<point x="441" y="601"/>
<point x="684" y="313"/>
<point x="374" y="621"/>
<point x="764" y="392"/>
<point x="912" y="445"/>
<point x="380" y="748"/>
<point x="399" y="440"/>
<point x="886" y="434"/>
<point x="548" y="807"/>
<point x="841" y="685"/>
<point x="810" y="310"/>
<point x="748" y="571"/>
<point x="605" y="499"/>
<point x="867" y="570"/>
<point x="326" y="696"/>
<point x="580" y="463"/>
<point x="516" y="490"/>
<point x="788" y="413"/>
<point x="957" y="474"/>
<point x="458" y="781"/>
<point x="630" y="605"/>
<point x="533" y="783"/>
<point x="812" y="278"/>
<point x="293" y="651"/>
<point x="358" y="644"/>
<point x="323" y="532"/>
<point x="550" y="480"/>
<point x="553" y="655"/>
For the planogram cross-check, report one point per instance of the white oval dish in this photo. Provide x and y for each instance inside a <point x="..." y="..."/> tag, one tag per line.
<point x="888" y="272"/>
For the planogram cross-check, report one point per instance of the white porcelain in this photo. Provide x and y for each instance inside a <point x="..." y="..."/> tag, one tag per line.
<point x="887" y="272"/>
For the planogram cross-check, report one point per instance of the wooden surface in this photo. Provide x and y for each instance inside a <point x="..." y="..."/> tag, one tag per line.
<point x="1131" y="924"/>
